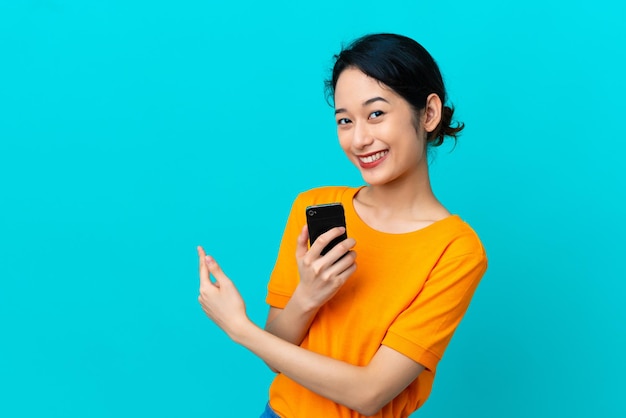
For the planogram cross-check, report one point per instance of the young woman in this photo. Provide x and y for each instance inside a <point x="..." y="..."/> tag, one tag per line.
<point x="361" y="335"/>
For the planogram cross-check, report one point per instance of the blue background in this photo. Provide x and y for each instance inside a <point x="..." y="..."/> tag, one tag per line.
<point x="130" y="132"/>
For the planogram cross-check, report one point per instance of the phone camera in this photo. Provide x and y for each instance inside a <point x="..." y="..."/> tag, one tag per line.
<point x="312" y="212"/>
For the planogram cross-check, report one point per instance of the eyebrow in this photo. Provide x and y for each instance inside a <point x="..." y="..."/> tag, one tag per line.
<point x="365" y="103"/>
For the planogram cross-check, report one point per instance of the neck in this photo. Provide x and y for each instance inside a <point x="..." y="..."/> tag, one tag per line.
<point x="410" y="197"/>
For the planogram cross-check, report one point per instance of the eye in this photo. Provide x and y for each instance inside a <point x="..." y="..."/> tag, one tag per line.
<point x="343" y="121"/>
<point x="376" y="114"/>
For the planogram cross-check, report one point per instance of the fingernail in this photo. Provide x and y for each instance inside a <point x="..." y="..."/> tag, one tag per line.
<point x="208" y="259"/>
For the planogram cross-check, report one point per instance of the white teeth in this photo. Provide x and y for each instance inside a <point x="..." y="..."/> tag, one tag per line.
<point x="375" y="157"/>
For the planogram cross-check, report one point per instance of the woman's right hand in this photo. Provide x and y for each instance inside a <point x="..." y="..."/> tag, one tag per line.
<point x="321" y="276"/>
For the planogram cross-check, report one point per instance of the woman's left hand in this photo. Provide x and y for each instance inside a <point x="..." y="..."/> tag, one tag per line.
<point x="220" y="300"/>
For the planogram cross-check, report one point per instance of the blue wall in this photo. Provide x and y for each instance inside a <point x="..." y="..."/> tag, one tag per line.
<point x="130" y="132"/>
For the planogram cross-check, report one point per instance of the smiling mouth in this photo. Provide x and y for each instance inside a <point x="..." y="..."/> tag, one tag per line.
<point x="368" y="159"/>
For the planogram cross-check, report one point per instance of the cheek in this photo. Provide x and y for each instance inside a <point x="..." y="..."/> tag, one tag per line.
<point x="344" y="140"/>
<point x="412" y="144"/>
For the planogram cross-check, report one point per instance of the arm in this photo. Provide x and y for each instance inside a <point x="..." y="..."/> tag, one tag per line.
<point x="290" y="326"/>
<point x="320" y="278"/>
<point x="365" y="389"/>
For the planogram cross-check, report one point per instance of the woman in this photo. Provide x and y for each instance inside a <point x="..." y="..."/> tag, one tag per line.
<point x="362" y="335"/>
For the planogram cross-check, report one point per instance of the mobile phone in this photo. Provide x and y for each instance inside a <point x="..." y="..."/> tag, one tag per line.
<point x="321" y="218"/>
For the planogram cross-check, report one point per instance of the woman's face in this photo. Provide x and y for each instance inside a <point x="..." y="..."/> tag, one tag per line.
<point x="377" y="130"/>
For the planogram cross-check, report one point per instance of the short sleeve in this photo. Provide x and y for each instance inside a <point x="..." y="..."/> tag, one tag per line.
<point x="285" y="277"/>
<point x="422" y="331"/>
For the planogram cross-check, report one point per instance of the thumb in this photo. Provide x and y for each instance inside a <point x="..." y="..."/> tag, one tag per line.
<point x="302" y="245"/>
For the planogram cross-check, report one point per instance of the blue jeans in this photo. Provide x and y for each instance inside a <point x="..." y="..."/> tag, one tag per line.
<point x="269" y="412"/>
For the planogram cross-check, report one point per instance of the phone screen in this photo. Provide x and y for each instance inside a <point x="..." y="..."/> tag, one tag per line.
<point x="321" y="218"/>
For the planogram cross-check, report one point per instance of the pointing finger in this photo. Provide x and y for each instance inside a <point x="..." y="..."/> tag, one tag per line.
<point x="204" y="270"/>
<point x="326" y="238"/>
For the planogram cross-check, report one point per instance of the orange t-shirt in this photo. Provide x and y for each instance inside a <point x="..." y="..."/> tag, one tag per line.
<point x="409" y="292"/>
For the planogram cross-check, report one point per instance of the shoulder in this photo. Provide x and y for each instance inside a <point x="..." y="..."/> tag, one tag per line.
<point x="453" y="237"/>
<point x="317" y="196"/>
<point x="461" y="241"/>
<point x="321" y="195"/>
<point x="464" y="238"/>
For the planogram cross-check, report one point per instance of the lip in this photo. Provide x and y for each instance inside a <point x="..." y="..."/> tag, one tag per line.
<point x="375" y="163"/>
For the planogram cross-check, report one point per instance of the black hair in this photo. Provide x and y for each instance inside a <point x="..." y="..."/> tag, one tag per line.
<point x="404" y="66"/>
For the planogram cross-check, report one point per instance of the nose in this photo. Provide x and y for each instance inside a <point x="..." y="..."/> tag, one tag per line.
<point x="362" y="136"/>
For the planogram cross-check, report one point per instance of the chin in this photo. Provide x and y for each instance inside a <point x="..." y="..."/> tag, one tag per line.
<point x="375" y="180"/>
<point x="385" y="178"/>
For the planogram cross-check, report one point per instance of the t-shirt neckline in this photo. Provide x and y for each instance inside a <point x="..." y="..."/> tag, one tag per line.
<point x="348" y="203"/>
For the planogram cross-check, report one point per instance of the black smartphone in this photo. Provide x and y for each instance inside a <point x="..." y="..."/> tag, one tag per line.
<point x="321" y="218"/>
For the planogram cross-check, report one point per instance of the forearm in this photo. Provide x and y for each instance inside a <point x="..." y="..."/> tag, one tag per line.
<point x="333" y="379"/>
<point x="293" y="322"/>
<point x="364" y="389"/>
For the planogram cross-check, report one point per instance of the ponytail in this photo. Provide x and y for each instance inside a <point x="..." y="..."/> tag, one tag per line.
<point x="445" y="128"/>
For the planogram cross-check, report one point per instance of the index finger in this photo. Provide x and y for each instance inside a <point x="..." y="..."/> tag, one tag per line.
<point x="326" y="238"/>
<point x="203" y="268"/>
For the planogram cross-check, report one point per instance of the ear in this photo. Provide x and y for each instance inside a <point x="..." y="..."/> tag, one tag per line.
<point x="432" y="112"/>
